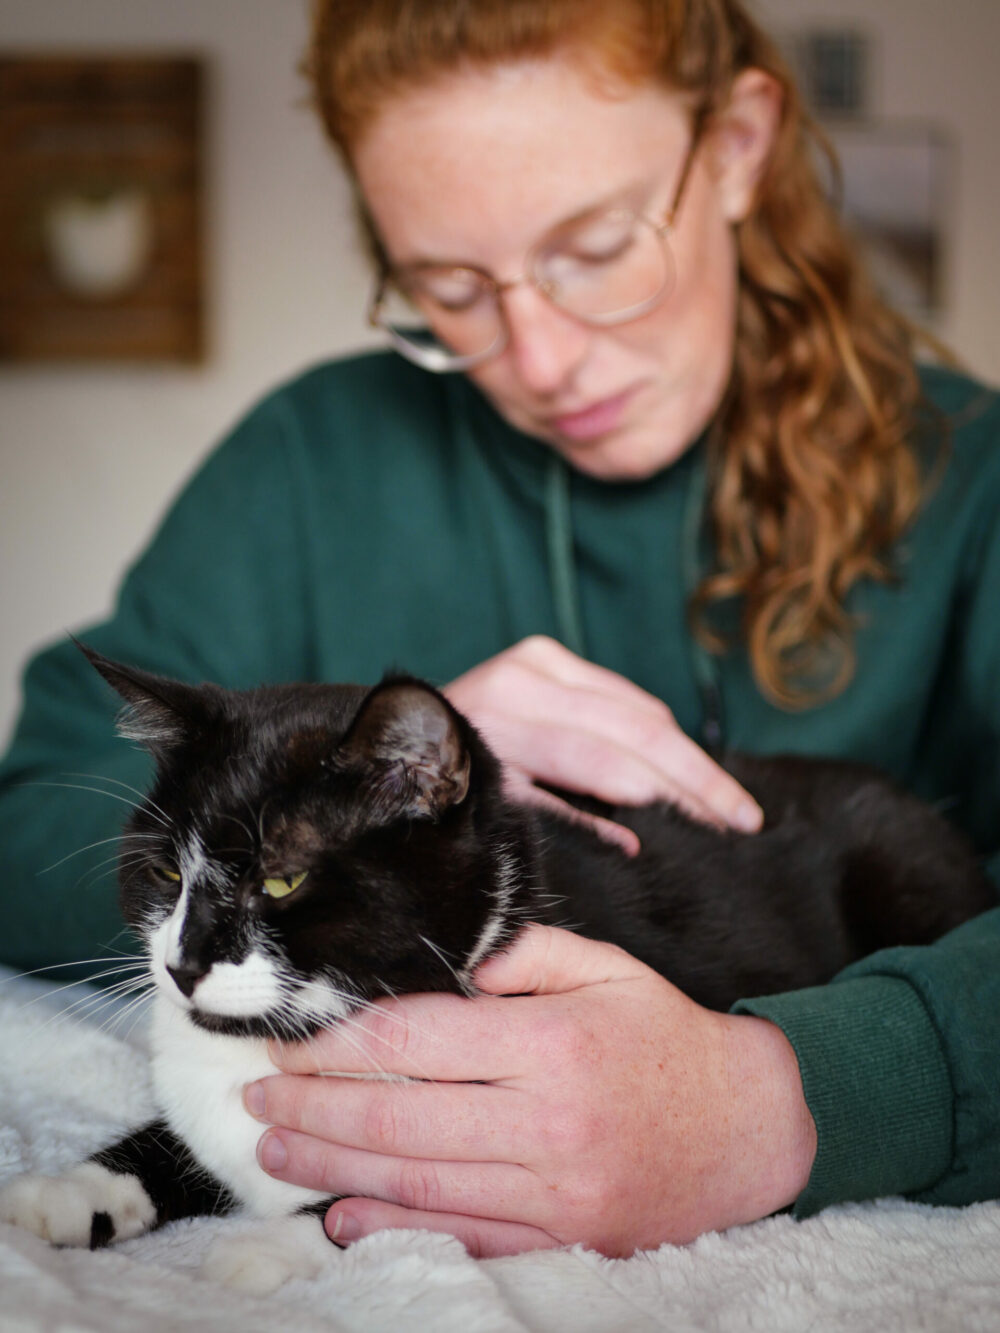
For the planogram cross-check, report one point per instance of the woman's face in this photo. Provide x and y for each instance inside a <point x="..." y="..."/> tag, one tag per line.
<point x="476" y="169"/>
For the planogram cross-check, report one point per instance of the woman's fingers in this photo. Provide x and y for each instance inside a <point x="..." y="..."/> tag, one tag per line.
<point x="548" y="657"/>
<point x="418" y="1036"/>
<point x="501" y="1190"/>
<point x="598" y="750"/>
<point x="478" y="1122"/>
<point x="484" y="1238"/>
<point x="522" y="791"/>
<point x="568" y="723"/>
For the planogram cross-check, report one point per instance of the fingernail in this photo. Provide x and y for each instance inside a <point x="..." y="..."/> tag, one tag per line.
<point x="748" y="816"/>
<point x="345" y="1229"/>
<point x="253" y="1100"/>
<point x="271" y="1153"/>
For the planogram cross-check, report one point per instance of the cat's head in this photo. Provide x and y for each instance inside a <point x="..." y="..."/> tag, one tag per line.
<point x="306" y="848"/>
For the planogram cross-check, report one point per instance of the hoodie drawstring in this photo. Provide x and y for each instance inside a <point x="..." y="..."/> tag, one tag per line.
<point x="562" y="563"/>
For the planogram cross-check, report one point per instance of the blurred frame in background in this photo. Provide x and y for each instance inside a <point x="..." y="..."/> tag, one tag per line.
<point x="101" y="208"/>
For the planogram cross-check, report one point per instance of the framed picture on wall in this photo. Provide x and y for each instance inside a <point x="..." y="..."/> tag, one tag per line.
<point x="101" y="210"/>
<point x="834" y="68"/>
<point x="895" y="192"/>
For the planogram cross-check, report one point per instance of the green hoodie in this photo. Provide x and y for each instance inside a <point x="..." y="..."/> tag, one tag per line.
<point x="368" y="515"/>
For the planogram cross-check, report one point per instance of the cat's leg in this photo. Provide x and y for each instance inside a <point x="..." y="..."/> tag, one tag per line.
<point x="146" y="1179"/>
<point x="260" y="1260"/>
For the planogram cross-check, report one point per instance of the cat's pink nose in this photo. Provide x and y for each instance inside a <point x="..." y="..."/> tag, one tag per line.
<point x="186" y="976"/>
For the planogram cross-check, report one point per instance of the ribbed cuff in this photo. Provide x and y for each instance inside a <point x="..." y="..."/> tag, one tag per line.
<point x="877" y="1085"/>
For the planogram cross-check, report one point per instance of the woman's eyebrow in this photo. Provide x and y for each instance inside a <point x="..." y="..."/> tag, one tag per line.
<point x="625" y="196"/>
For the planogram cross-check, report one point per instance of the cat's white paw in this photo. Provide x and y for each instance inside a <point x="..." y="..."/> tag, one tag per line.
<point x="62" y="1209"/>
<point x="274" y="1252"/>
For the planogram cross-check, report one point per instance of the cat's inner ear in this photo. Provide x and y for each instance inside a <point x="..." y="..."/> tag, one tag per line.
<point x="158" y="712"/>
<point x="408" y="739"/>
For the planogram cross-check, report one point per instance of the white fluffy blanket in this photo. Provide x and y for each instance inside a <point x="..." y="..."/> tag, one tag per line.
<point x="68" y="1087"/>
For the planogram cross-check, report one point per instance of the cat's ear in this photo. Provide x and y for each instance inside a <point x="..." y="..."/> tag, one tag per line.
<point x="408" y="739"/>
<point x="159" y="713"/>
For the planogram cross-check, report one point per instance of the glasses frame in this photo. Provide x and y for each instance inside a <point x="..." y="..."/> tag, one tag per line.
<point x="441" y="362"/>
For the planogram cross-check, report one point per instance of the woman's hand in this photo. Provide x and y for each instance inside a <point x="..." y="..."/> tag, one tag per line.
<point x="553" y="717"/>
<point x="583" y="1098"/>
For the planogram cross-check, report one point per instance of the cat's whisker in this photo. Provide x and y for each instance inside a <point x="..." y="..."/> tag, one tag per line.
<point x="462" y="984"/>
<point x="241" y="824"/>
<point x="90" y="995"/>
<point x="303" y="1025"/>
<point x="68" y="1004"/>
<point x="98" y="791"/>
<point x="102" y="842"/>
<point x="350" y="1040"/>
<point x="566" y="925"/>
<point x="136" y="1009"/>
<point x="143" y="796"/>
<point x="125" y="862"/>
<point x="89" y="1008"/>
<point x="364" y="1006"/>
<point x="73" y="962"/>
<point x="142" y="991"/>
<point x="348" y="1021"/>
<point x="82" y="1007"/>
<point x="88" y="882"/>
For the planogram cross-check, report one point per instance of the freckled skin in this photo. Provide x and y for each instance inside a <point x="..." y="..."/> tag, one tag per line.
<point x="555" y="147"/>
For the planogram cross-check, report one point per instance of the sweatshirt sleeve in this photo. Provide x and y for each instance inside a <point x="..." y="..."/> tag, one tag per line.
<point x="220" y="594"/>
<point x="899" y="1066"/>
<point x="900" y="1071"/>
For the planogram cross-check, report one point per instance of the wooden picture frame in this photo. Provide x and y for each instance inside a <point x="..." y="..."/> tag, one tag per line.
<point x="101" y="212"/>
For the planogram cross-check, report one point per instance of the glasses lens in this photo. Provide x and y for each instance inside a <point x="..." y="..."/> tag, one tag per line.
<point x="606" y="269"/>
<point x="444" y="319"/>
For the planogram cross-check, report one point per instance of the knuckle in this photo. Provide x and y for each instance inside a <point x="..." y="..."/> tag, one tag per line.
<point x="714" y="790"/>
<point x="722" y="792"/>
<point x="535" y="646"/>
<point x="419" y="1186"/>
<point x="328" y="1174"/>
<point x="654" y="731"/>
<point x="562" y="1038"/>
<point x="382" y="1127"/>
<point x="388" y="1035"/>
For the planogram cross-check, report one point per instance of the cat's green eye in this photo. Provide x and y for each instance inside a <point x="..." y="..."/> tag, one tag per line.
<point x="167" y="873"/>
<point x="282" y="885"/>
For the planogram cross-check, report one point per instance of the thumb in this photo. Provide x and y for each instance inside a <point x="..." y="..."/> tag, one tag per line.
<point x="544" y="960"/>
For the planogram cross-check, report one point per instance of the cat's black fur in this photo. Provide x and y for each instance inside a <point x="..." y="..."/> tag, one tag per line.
<point x="417" y="867"/>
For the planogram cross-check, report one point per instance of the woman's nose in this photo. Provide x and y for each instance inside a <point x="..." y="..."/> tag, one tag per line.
<point x="546" y="344"/>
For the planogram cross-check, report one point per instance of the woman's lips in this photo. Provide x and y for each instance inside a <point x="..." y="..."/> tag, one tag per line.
<point x="591" y="422"/>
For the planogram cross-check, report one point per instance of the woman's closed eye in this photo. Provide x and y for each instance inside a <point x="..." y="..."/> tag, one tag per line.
<point x="453" y="290"/>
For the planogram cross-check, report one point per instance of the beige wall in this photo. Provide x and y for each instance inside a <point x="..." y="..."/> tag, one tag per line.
<point x="89" y="457"/>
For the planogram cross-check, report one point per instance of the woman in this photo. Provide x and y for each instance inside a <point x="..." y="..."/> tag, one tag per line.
<point x="676" y="392"/>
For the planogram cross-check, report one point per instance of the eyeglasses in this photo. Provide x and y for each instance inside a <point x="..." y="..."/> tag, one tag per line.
<point x="605" y="268"/>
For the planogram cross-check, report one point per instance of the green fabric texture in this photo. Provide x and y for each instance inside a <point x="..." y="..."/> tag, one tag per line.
<point x="368" y="516"/>
<point x="874" y="1077"/>
<point x="900" y="1072"/>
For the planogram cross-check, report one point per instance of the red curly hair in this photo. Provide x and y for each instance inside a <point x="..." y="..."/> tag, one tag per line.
<point x="814" y="472"/>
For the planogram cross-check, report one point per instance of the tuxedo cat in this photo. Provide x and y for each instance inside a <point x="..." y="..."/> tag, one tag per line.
<point x="307" y="849"/>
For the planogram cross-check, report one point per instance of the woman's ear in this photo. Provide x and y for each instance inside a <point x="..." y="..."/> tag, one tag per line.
<point x="741" y="138"/>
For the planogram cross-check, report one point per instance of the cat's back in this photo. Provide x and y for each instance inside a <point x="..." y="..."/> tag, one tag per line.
<point x="845" y="863"/>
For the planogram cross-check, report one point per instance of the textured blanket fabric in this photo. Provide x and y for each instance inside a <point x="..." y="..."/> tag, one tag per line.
<point x="67" y="1087"/>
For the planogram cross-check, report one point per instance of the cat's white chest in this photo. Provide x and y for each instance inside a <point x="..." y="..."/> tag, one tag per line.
<point x="199" y="1079"/>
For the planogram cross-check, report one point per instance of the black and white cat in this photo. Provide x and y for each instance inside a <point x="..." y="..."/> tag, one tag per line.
<point x="308" y="849"/>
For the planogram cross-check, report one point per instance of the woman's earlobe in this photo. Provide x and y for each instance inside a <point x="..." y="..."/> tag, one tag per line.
<point x="743" y="135"/>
